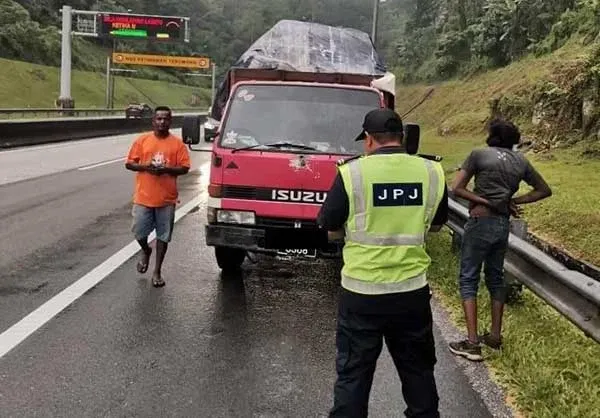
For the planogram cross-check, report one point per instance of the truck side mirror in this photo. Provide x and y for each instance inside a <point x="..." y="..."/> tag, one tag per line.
<point x="210" y="132"/>
<point x="191" y="130"/>
<point x="412" y="136"/>
<point x="209" y="135"/>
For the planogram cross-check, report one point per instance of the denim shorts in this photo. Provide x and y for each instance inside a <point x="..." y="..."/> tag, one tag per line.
<point x="484" y="242"/>
<point x="147" y="219"/>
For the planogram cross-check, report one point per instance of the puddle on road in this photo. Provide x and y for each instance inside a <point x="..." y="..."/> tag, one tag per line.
<point x="314" y="276"/>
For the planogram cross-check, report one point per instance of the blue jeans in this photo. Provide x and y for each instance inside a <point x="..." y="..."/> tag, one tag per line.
<point x="485" y="241"/>
<point x="147" y="219"/>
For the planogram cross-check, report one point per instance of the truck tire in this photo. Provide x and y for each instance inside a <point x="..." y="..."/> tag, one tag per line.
<point x="229" y="259"/>
<point x="191" y="130"/>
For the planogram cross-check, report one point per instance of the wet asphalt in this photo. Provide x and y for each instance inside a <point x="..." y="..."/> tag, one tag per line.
<point x="256" y="344"/>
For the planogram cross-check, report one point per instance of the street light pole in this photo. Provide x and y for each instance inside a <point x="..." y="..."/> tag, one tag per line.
<point x="108" y="82"/>
<point x="375" y="19"/>
<point x="65" y="100"/>
<point x="214" y="82"/>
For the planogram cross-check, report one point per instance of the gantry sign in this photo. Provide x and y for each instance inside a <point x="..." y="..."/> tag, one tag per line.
<point x="127" y="25"/>
<point x="159" y="28"/>
<point x="111" y="25"/>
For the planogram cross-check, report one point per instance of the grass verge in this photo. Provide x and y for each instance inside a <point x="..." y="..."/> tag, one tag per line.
<point x="548" y="367"/>
<point x="32" y="85"/>
<point x="569" y="219"/>
<point x="453" y="121"/>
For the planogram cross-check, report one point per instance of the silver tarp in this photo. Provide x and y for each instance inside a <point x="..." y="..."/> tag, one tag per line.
<point x="306" y="47"/>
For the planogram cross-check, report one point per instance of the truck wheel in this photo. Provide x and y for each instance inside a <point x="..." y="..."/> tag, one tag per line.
<point x="229" y="258"/>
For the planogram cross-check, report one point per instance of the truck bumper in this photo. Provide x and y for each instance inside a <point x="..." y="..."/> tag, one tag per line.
<point x="270" y="240"/>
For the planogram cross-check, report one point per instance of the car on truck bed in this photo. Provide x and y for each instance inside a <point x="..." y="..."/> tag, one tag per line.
<point x="281" y="134"/>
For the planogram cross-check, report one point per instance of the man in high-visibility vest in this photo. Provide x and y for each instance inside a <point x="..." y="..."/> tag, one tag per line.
<point x="384" y="203"/>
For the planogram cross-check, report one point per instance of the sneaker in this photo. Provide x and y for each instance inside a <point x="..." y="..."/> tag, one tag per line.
<point x="466" y="349"/>
<point x="490" y="341"/>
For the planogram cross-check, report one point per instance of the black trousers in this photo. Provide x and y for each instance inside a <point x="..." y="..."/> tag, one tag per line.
<point x="405" y="321"/>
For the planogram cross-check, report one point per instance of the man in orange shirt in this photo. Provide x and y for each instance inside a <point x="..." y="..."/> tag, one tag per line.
<point x="159" y="158"/>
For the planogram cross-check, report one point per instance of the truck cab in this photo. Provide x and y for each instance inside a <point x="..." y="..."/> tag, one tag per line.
<point x="274" y="159"/>
<point x="287" y="111"/>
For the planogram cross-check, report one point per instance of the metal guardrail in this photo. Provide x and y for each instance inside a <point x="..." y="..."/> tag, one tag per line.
<point x="11" y="113"/>
<point x="20" y="133"/>
<point x="573" y="294"/>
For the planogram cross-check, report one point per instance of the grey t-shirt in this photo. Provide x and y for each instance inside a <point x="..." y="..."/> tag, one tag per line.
<point x="498" y="172"/>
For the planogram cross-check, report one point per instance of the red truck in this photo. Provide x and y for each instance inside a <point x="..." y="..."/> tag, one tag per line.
<point x="282" y="130"/>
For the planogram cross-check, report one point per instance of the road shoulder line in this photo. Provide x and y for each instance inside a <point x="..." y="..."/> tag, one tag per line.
<point x="477" y="373"/>
<point x="20" y="331"/>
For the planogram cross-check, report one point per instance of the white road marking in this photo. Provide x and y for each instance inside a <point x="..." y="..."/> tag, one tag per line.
<point x="33" y="162"/>
<point x="66" y="144"/>
<point x="17" y="333"/>
<point x="89" y="167"/>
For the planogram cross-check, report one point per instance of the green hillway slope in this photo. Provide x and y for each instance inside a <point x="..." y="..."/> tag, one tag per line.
<point x="31" y="85"/>
<point x="548" y="367"/>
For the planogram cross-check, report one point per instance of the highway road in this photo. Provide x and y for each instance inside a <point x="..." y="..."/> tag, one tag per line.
<point x="83" y="334"/>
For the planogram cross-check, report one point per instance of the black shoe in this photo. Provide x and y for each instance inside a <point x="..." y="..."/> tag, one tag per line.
<point x="467" y="350"/>
<point x="490" y="341"/>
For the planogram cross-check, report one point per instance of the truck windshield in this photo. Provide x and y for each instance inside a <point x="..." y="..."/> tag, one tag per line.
<point x="327" y="119"/>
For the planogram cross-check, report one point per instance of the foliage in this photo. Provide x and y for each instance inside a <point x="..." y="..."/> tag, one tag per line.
<point x="548" y="367"/>
<point x="220" y="29"/>
<point x="453" y="122"/>
<point x="32" y="85"/>
<point x="458" y="37"/>
<point x="420" y="39"/>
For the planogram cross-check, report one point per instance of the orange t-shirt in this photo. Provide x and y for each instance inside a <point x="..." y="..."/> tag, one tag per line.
<point x="152" y="190"/>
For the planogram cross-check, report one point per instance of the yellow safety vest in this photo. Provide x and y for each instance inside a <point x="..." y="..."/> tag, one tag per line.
<point x="393" y="199"/>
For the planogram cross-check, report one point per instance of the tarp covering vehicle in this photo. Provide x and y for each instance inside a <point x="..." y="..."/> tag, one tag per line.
<point x="308" y="47"/>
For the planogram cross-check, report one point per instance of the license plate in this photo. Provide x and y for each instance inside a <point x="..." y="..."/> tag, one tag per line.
<point x="294" y="252"/>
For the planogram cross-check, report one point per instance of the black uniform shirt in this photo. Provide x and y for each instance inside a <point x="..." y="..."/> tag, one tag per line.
<point x="334" y="211"/>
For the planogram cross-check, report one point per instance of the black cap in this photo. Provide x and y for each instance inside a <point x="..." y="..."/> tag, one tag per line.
<point x="381" y="121"/>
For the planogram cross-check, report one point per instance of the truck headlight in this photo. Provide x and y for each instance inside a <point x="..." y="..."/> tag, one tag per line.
<point x="236" y="217"/>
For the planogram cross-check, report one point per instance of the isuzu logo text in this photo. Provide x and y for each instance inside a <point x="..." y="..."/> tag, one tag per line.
<point x="298" y="196"/>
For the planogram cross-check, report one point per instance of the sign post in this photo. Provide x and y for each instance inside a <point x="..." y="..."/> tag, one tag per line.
<point x="214" y="82"/>
<point x="65" y="101"/>
<point x="115" y="26"/>
<point x="199" y="63"/>
<point x="108" y="85"/>
<point x="111" y="91"/>
<point x="213" y="75"/>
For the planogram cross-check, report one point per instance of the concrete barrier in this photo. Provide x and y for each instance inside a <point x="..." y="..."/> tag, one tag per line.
<point x="34" y="132"/>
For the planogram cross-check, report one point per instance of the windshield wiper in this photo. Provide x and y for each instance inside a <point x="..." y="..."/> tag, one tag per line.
<point x="276" y="145"/>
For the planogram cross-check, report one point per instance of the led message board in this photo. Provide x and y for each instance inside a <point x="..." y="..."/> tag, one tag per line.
<point x="159" y="28"/>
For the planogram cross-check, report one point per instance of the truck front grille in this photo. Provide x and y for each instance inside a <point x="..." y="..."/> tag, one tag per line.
<point x="284" y="223"/>
<point x="240" y="192"/>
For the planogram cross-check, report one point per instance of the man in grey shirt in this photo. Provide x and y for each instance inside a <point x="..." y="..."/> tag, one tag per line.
<point x="498" y="171"/>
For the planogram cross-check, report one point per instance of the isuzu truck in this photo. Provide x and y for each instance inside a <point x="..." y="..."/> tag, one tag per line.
<point x="288" y="111"/>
